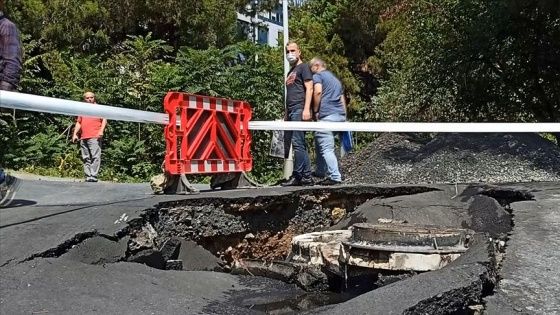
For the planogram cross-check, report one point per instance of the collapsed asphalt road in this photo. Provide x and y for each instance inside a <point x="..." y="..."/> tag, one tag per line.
<point x="39" y="273"/>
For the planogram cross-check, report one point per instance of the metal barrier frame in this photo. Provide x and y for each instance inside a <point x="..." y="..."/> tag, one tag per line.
<point x="206" y="135"/>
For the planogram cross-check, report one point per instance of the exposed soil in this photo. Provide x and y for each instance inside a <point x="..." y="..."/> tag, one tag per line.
<point x="256" y="228"/>
<point x="265" y="245"/>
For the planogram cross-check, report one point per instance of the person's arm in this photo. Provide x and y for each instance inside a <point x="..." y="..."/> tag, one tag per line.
<point x="317" y="93"/>
<point x="343" y="100"/>
<point x="308" y="97"/>
<point x="76" y="130"/>
<point x="307" y="78"/>
<point x="103" y="125"/>
<point x="12" y="55"/>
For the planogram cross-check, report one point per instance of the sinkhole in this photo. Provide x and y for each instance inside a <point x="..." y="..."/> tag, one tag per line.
<point x="301" y="238"/>
<point x="254" y="237"/>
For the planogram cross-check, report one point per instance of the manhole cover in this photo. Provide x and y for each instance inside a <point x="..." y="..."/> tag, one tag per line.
<point x="408" y="235"/>
<point x="403" y="246"/>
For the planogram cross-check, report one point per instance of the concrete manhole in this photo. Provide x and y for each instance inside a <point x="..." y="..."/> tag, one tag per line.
<point x="403" y="247"/>
<point x="314" y="248"/>
<point x="373" y="248"/>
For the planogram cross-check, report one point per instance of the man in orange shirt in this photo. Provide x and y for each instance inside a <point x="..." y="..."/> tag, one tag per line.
<point x="90" y="140"/>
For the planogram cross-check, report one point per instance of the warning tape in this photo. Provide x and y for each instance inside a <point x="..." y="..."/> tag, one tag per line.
<point x="53" y="105"/>
<point x="37" y="103"/>
<point x="405" y="126"/>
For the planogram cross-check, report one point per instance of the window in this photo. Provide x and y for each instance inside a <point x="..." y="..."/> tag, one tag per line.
<point x="263" y="36"/>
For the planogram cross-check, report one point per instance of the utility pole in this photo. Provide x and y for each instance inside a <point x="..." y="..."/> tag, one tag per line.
<point x="253" y="9"/>
<point x="289" y="162"/>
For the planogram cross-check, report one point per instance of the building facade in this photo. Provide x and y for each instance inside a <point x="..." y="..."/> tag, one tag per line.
<point x="263" y="27"/>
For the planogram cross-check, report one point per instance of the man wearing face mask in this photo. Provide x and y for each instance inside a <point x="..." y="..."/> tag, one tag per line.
<point x="299" y="86"/>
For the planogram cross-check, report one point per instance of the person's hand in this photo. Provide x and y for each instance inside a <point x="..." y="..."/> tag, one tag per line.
<point x="306" y="116"/>
<point x="285" y="117"/>
<point x="5" y="86"/>
<point x="74" y="138"/>
<point x="100" y="135"/>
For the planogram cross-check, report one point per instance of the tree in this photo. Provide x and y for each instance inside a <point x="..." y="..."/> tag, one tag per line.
<point x="471" y="61"/>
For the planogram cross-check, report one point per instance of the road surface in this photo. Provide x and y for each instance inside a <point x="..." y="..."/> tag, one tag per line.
<point x="46" y="215"/>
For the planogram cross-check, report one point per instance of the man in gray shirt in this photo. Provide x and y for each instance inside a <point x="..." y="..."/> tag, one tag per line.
<point x="329" y="104"/>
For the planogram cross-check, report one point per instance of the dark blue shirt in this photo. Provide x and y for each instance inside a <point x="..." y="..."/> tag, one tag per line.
<point x="10" y="52"/>
<point x="331" y="95"/>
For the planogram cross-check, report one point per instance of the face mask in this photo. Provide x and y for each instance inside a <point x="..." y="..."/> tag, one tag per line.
<point x="291" y="57"/>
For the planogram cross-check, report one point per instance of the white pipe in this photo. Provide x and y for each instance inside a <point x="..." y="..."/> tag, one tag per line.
<point x="52" y="105"/>
<point x="45" y="104"/>
<point x="406" y="127"/>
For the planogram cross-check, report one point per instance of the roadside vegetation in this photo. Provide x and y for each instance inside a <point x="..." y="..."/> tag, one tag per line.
<point x="406" y="60"/>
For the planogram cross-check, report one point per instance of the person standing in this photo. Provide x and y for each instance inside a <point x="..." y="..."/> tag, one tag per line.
<point x="10" y="70"/>
<point x="299" y="86"/>
<point x="329" y="105"/>
<point x="10" y="53"/>
<point x="91" y="129"/>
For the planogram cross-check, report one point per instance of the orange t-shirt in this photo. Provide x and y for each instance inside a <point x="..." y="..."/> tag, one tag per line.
<point x="91" y="126"/>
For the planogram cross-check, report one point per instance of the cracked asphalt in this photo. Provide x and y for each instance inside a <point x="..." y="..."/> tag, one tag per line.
<point x="46" y="214"/>
<point x="531" y="273"/>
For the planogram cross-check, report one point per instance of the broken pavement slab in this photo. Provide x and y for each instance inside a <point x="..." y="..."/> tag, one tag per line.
<point x="98" y="250"/>
<point x="195" y="258"/>
<point x="459" y="206"/>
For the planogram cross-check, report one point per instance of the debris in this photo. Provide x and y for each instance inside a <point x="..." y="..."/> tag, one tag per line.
<point x="453" y="158"/>
<point x="338" y="214"/>
<point x="174" y="265"/>
<point x="309" y="278"/>
<point x="389" y="221"/>
<point x="145" y="239"/>
<point x="170" y="249"/>
<point x="195" y="257"/>
<point x="171" y="184"/>
<point x="149" y="257"/>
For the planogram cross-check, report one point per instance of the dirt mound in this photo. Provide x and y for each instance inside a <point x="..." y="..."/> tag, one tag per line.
<point x="454" y="158"/>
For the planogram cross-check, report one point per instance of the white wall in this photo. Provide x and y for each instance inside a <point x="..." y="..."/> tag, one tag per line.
<point x="273" y="29"/>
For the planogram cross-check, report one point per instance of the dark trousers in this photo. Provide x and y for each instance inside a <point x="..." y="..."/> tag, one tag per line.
<point x="302" y="163"/>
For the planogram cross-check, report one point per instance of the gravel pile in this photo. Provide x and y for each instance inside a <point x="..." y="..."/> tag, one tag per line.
<point x="453" y="158"/>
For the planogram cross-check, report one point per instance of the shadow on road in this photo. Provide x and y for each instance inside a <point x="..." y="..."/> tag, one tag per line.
<point x="15" y="203"/>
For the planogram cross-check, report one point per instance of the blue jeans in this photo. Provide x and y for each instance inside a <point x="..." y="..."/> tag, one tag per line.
<point x="302" y="162"/>
<point x="325" y="161"/>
